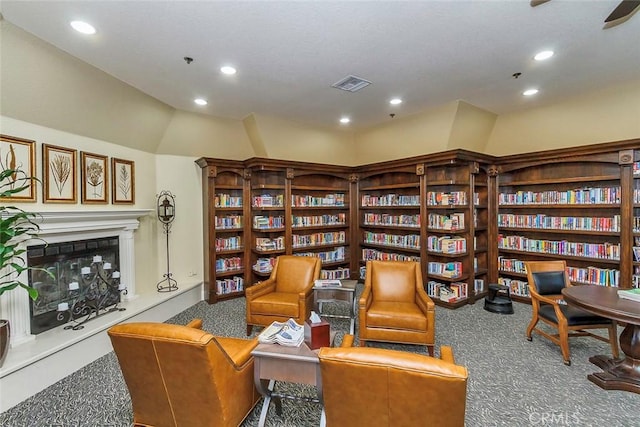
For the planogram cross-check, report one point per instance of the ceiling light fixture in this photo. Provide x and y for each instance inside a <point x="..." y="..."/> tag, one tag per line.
<point x="227" y="70"/>
<point x="395" y="101"/>
<point x="545" y="54"/>
<point x="83" y="27"/>
<point x="530" y="92"/>
<point x="345" y="120"/>
<point x="200" y="101"/>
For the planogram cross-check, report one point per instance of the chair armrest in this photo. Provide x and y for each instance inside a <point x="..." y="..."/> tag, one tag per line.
<point x="446" y="354"/>
<point x="425" y="302"/>
<point x="260" y="289"/>
<point x="550" y="299"/>
<point x="347" y="341"/>
<point x="365" y="299"/>
<point x="195" y="324"/>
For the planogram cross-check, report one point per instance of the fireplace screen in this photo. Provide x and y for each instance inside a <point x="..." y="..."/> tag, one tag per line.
<point x="83" y="280"/>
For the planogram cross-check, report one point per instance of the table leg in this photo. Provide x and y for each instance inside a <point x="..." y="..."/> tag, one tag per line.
<point x="352" y="328"/>
<point x="620" y="374"/>
<point x="267" y="400"/>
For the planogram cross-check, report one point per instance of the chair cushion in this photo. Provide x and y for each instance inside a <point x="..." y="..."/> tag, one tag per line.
<point x="396" y="315"/>
<point x="276" y="304"/>
<point x="575" y="316"/>
<point x="549" y="282"/>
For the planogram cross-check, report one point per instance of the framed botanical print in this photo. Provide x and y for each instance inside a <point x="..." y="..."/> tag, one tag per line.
<point x="59" y="174"/>
<point x="123" y="181"/>
<point x="18" y="155"/>
<point x="94" y="176"/>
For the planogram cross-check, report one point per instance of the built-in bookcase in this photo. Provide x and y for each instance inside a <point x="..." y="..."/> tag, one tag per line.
<point x="635" y="218"/>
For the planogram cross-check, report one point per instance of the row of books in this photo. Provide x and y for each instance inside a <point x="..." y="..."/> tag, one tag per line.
<point x="446" y="198"/>
<point x="373" y="254"/>
<point x="369" y="200"/>
<point x="580" y="196"/>
<point x="449" y="293"/>
<point x="223" y="200"/>
<point x="411" y="221"/>
<point x="636" y="195"/>
<point x="560" y="222"/>
<point x="454" y="221"/>
<point x="268" y="244"/>
<point x="336" y="199"/>
<point x="228" y="222"/>
<point x="403" y="240"/>
<point x="517" y="287"/>
<point x="636" y="168"/>
<point x="228" y="264"/>
<point x="606" y="250"/>
<point x="305" y="240"/>
<point x="636" y="223"/>
<point x="512" y="265"/>
<point x="319" y="220"/>
<point x="338" y="273"/>
<point x="336" y="255"/>
<point x="263" y="222"/>
<point x="447" y="244"/>
<point x="594" y="276"/>
<point x="228" y="243"/>
<point x="230" y="285"/>
<point x="268" y="201"/>
<point x="264" y="265"/>
<point x="445" y="269"/>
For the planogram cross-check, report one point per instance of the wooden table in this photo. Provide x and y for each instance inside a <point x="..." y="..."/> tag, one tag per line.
<point x="275" y="362"/>
<point x="619" y="374"/>
<point x="346" y="292"/>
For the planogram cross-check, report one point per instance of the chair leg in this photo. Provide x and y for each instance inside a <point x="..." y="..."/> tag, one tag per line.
<point x="531" y="327"/>
<point x="613" y="339"/>
<point x="430" y="350"/>
<point x="563" y="334"/>
<point x="363" y="343"/>
<point x="249" y="329"/>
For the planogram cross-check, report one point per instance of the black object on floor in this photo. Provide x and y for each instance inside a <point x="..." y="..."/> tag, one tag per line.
<point x="498" y="299"/>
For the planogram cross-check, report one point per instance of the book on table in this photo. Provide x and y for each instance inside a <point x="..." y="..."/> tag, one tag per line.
<point x="287" y="333"/>
<point x="630" y="294"/>
<point x="327" y="283"/>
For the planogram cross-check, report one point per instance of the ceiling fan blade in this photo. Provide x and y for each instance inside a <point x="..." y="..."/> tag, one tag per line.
<point x="625" y="8"/>
<point x="535" y="3"/>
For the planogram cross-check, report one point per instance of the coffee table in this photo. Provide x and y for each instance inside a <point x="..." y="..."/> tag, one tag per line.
<point x="275" y="362"/>
<point x="346" y="293"/>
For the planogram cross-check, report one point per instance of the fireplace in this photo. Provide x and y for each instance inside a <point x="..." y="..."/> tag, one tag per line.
<point x="76" y="281"/>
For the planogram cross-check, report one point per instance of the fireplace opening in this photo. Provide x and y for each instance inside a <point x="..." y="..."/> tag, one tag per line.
<point x="84" y="279"/>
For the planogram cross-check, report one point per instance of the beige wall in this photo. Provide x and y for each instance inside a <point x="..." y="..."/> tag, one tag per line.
<point x="604" y="115"/>
<point x="471" y="127"/>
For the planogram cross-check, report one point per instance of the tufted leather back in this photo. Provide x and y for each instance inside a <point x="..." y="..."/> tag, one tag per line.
<point x="394" y="281"/>
<point x="183" y="376"/>
<point x="294" y="274"/>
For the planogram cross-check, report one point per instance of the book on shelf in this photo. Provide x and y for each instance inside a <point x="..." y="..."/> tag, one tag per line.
<point x="327" y="283"/>
<point x="630" y="294"/>
<point x="287" y="333"/>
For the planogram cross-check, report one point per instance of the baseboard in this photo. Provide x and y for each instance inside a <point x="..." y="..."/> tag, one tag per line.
<point x="35" y="365"/>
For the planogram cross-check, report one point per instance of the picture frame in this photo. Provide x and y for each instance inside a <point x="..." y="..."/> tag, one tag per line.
<point x="123" y="181"/>
<point x="94" y="178"/>
<point x="19" y="154"/>
<point x="59" y="174"/>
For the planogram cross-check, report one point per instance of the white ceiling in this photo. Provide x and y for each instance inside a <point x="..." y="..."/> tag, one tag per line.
<point x="288" y="54"/>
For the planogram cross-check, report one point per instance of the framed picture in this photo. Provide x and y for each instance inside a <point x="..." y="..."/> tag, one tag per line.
<point x="123" y="181"/>
<point x="59" y="174"/>
<point x="94" y="176"/>
<point x="19" y="155"/>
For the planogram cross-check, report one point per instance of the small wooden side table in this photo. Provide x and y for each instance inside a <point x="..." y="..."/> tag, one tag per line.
<point x="346" y="293"/>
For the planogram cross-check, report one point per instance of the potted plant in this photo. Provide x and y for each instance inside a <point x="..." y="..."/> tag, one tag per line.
<point x="16" y="226"/>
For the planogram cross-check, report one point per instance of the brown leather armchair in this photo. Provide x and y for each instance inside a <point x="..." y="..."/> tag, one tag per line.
<point x="546" y="281"/>
<point x="287" y="293"/>
<point x="394" y="306"/>
<point x="381" y="387"/>
<point x="183" y="376"/>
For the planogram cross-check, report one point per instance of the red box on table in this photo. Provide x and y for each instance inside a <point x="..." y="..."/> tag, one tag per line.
<point x="317" y="335"/>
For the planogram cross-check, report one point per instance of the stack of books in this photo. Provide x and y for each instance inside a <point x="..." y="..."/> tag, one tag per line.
<point x="630" y="294"/>
<point x="288" y="334"/>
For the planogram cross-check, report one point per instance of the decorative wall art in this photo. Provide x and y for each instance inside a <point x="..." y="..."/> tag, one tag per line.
<point x="123" y="181"/>
<point x="20" y="155"/>
<point x="94" y="175"/>
<point x="59" y="174"/>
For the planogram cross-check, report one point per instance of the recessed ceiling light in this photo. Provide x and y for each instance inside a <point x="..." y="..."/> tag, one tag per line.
<point x="228" y="70"/>
<point x="395" y="101"/>
<point x="200" y="101"/>
<point x="83" y="27"/>
<point x="530" y="92"/>
<point x="545" y="54"/>
<point x="345" y="120"/>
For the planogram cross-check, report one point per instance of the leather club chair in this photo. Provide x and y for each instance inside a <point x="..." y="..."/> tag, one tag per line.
<point x="183" y="376"/>
<point x="394" y="307"/>
<point x="381" y="387"/>
<point x="287" y="293"/>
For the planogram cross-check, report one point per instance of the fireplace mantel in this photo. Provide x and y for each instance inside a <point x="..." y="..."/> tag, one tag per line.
<point x="64" y="226"/>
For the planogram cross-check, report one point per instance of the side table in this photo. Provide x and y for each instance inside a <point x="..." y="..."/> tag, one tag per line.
<point x="346" y="293"/>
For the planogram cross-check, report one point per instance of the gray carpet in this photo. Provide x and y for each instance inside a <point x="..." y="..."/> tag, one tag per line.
<point x="512" y="382"/>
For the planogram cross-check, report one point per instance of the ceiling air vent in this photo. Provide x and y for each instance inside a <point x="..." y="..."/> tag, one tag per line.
<point x="351" y="84"/>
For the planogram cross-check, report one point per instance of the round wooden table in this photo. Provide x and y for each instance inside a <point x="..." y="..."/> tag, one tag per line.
<point x="619" y="374"/>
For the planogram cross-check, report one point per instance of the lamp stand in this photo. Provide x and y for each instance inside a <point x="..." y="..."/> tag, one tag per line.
<point x="166" y="215"/>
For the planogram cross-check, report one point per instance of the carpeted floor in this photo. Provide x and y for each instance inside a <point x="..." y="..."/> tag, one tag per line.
<point x="512" y="382"/>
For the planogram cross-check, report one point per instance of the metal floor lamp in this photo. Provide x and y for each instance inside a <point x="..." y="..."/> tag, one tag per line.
<point x="166" y="208"/>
